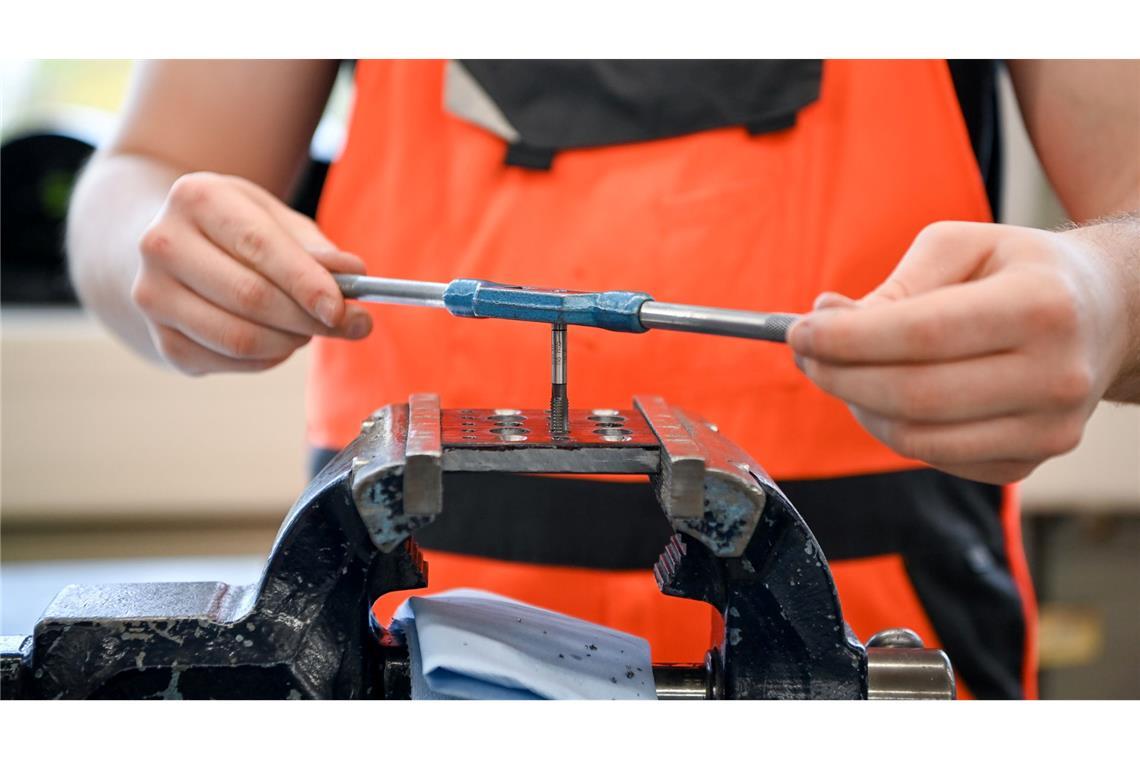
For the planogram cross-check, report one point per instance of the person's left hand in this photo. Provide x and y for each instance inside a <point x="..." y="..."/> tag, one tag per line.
<point x="984" y="352"/>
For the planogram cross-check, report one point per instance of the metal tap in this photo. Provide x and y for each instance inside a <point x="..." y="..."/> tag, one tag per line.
<point x="559" y="401"/>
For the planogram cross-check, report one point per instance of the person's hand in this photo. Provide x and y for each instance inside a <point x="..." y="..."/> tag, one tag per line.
<point x="984" y="352"/>
<point x="232" y="280"/>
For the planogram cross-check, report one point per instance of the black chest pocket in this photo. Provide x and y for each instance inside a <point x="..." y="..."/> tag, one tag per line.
<point x="542" y="107"/>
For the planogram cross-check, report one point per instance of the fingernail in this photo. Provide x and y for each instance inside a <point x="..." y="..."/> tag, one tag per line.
<point x="830" y="300"/>
<point x="358" y="327"/>
<point x="326" y="310"/>
<point x="799" y="360"/>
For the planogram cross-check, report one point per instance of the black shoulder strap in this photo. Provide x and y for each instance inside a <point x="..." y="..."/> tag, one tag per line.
<point x="976" y="83"/>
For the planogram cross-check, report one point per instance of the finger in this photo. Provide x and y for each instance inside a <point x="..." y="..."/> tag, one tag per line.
<point x="357" y="322"/>
<point x="240" y="227"/>
<point x="968" y="389"/>
<point x="941" y="254"/>
<point x="207" y="270"/>
<point x="218" y="330"/>
<point x="825" y="300"/>
<point x="830" y="300"/>
<point x="190" y="357"/>
<point x="306" y="232"/>
<point x="953" y="322"/>
<point x="1026" y="438"/>
<point x="303" y="229"/>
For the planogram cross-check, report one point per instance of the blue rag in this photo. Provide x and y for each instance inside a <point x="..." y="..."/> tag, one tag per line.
<point x="469" y="644"/>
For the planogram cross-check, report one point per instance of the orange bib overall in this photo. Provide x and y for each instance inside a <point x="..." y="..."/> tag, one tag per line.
<point x="719" y="217"/>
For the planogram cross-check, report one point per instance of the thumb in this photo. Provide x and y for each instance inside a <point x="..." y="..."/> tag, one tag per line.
<point x="826" y="300"/>
<point x="339" y="261"/>
<point x="943" y="253"/>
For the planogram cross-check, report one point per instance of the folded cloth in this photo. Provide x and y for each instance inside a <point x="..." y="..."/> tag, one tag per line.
<point x="469" y="644"/>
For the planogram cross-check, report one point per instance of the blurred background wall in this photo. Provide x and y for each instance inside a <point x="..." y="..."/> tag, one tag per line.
<point x="115" y="470"/>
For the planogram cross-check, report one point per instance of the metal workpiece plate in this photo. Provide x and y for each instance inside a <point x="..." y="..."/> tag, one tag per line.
<point x="585" y="460"/>
<point x="598" y="441"/>
<point x="525" y="428"/>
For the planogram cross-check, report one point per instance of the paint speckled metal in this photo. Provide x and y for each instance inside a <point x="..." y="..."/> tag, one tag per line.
<point x="305" y="631"/>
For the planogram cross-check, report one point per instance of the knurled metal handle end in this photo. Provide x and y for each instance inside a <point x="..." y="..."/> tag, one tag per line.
<point x="778" y="326"/>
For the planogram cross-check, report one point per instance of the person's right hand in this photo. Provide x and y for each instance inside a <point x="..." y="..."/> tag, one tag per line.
<point x="232" y="280"/>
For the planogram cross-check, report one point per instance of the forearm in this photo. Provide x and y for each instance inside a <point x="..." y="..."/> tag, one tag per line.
<point x="1117" y="240"/>
<point x="1083" y="118"/>
<point x="114" y="201"/>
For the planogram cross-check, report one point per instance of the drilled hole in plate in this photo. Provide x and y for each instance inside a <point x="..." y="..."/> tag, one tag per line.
<point x="469" y="437"/>
<point x="601" y="419"/>
<point x="507" y="419"/>
<point x="607" y="424"/>
<point x="605" y="413"/>
<point x="513" y="438"/>
<point x="505" y="412"/>
<point x="507" y="431"/>
<point x="616" y="438"/>
<point x="611" y="432"/>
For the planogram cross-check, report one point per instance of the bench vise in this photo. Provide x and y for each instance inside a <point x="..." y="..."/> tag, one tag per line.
<point x="305" y="629"/>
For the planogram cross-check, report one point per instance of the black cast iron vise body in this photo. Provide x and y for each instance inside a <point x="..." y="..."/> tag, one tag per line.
<point x="305" y="629"/>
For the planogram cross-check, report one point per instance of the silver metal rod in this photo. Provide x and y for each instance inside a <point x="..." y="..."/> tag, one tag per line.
<point x="907" y="673"/>
<point x="384" y="290"/>
<point x="690" y="681"/>
<point x="681" y="681"/>
<point x="713" y="321"/>
<point x="898" y="667"/>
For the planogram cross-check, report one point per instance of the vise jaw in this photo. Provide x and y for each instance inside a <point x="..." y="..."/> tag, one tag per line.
<point x="305" y="629"/>
<point x="708" y="488"/>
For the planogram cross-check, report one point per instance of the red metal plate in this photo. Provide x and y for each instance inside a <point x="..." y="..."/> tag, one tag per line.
<point x="531" y="427"/>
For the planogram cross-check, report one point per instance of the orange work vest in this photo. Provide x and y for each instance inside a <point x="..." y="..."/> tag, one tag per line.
<point x="719" y="217"/>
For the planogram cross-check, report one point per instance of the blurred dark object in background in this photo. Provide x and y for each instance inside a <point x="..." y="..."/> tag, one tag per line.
<point x="37" y="171"/>
<point x="308" y="191"/>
